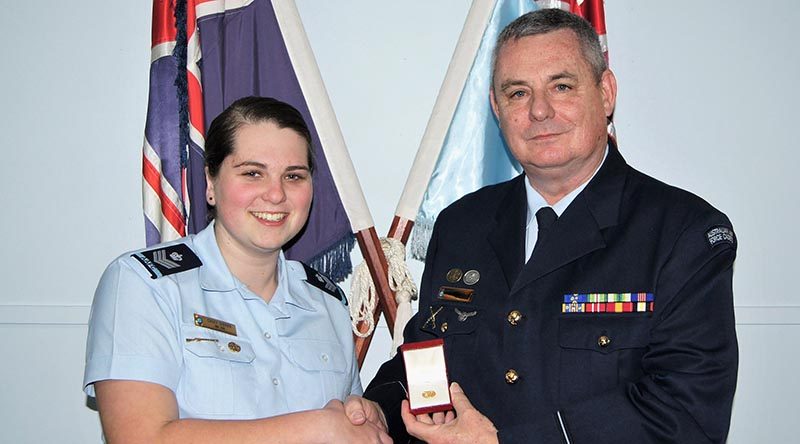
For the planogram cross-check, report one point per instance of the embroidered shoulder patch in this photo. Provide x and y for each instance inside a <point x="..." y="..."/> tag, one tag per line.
<point x="163" y="261"/>
<point x="720" y="234"/>
<point x="319" y="280"/>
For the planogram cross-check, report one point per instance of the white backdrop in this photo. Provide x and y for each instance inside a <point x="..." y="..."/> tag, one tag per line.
<point x="707" y="101"/>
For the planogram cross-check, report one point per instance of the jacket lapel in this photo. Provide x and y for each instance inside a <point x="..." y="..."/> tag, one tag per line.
<point x="507" y="235"/>
<point x="578" y="231"/>
<point x="573" y="235"/>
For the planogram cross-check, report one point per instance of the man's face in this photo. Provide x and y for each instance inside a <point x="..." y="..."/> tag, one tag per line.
<point x="551" y="109"/>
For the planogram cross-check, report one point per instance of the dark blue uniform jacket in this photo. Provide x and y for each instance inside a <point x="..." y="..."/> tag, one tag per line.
<point x="666" y="375"/>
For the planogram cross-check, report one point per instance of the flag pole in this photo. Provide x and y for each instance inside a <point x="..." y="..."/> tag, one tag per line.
<point x="432" y="140"/>
<point x="419" y="176"/>
<point x="341" y="166"/>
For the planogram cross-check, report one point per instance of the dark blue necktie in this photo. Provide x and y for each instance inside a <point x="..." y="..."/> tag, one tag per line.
<point x="545" y="218"/>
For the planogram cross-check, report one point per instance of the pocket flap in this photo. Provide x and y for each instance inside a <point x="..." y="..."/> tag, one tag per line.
<point x="208" y="344"/>
<point x="604" y="334"/>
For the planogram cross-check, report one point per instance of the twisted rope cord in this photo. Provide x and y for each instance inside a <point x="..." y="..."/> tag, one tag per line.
<point x="364" y="297"/>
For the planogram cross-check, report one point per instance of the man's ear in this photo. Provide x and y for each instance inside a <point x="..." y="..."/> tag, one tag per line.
<point x="608" y="85"/>
<point x="493" y="101"/>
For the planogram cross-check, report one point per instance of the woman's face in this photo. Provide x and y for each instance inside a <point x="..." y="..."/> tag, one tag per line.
<point x="263" y="190"/>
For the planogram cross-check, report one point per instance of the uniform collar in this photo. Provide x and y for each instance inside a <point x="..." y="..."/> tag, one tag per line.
<point x="294" y="281"/>
<point x="593" y="208"/>
<point x="536" y="201"/>
<point x="288" y="292"/>
<point x="214" y="274"/>
<point x="580" y="229"/>
<point x="603" y="193"/>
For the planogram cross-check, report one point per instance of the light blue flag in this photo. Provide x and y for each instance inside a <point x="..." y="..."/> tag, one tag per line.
<point x="473" y="153"/>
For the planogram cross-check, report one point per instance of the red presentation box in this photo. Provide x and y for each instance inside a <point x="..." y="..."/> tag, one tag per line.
<point x="426" y="376"/>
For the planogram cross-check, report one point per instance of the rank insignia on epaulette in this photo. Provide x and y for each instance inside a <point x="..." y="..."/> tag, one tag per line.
<point x="608" y="303"/>
<point x="171" y="259"/>
<point x="720" y="234"/>
<point x="324" y="283"/>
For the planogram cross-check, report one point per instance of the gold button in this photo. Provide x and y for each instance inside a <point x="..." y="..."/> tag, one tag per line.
<point x="234" y="347"/>
<point x="511" y="376"/>
<point x="443" y="327"/>
<point x="603" y="341"/>
<point x="514" y="317"/>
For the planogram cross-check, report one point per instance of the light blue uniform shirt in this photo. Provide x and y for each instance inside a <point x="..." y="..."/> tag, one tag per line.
<point x="536" y="201"/>
<point x="294" y="353"/>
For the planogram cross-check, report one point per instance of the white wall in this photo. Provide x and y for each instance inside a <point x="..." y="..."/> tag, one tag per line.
<point x="707" y="102"/>
<point x="73" y="82"/>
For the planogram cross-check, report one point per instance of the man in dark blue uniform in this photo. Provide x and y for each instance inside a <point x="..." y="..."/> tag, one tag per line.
<point x="583" y="301"/>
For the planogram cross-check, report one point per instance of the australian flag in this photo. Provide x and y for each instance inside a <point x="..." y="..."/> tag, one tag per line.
<point x="205" y="55"/>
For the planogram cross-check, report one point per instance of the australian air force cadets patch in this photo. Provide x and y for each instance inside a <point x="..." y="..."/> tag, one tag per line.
<point x="167" y="260"/>
<point x="720" y="235"/>
<point x="324" y="283"/>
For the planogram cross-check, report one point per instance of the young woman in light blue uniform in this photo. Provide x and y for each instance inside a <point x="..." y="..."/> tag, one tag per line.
<point x="219" y="326"/>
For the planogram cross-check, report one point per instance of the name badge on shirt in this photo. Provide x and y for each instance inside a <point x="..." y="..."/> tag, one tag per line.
<point x="214" y="324"/>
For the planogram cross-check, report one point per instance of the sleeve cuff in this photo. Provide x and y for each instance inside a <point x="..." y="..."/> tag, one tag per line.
<point x="132" y="368"/>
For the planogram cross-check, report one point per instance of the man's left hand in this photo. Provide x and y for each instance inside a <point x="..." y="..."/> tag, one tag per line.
<point x="467" y="425"/>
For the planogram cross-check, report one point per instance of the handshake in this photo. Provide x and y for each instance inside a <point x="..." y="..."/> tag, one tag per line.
<point x="461" y="424"/>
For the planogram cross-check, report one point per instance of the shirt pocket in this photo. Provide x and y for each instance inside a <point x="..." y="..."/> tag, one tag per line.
<point x="600" y="352"/>
<point x="322" y="368"/>
<point x="219" y="376"/>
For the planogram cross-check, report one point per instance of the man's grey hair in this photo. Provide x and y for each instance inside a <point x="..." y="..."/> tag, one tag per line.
<point x="549" y="20"/>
